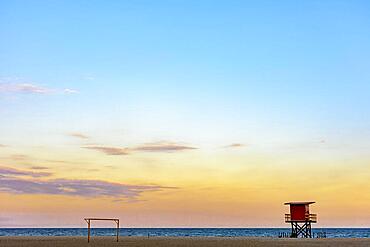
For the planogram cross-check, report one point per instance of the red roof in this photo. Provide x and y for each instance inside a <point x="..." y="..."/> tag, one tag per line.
<point x="298" y="203"/>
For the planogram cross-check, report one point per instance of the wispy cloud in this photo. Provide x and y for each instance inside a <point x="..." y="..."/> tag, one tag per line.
<point x="162" y="146"/>
<point x="23" y="88"/>
<point x="70" y="91"/>
<point x="17" y="85"/>
<point x="19" y="157"/>
<point x="3" y="146"/>
<point x="56" y="161"/>
<point x="39" y="168"/>
<point x="109" y="150"/>
<point x="16" y="172"/>
<point x="79" y="135"/>
<point x="11" y="181"/>
<point x="235" y="145"/>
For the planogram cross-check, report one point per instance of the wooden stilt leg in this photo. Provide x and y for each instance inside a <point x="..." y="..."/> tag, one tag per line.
<point x="88" y="231"/>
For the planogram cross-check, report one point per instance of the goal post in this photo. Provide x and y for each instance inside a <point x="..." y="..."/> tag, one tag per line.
<point x="88" y="221"/>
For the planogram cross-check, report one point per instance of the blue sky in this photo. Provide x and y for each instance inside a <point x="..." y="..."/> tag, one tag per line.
<point x="241" y="63"/>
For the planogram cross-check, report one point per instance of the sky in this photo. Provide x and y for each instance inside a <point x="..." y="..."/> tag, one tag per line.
<point x="184" y="113"/>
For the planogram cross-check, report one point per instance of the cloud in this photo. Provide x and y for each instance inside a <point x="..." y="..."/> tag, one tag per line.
<point x="79" y="135"/>
<point x="110" y="150"/>
<point x="16" y="85"/>
<point x="147" y="147"/>
<point x="235" y="145"/>
<point x="11" y="181"/>
<point x="162" y="146"/>
<point x="3" y="146"/>
<point x="4" y="171"/>
<point x="39" y="168"/>
<point x="56" y="161"/>
<point x="19" y="157"/>
<point x="70" y="91"/>
<point x="23" y="88"/>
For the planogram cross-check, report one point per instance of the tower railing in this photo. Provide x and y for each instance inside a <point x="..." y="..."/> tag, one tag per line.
<point x="308" y="217"/>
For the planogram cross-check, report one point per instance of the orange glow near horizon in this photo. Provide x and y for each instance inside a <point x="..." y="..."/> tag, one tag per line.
<point x="234" y="188"/>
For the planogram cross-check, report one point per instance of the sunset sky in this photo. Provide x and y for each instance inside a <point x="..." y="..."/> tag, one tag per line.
<point x="184" y="113"/>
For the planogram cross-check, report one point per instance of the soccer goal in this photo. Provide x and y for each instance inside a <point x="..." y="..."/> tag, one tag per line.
<point x="88" y="221"/>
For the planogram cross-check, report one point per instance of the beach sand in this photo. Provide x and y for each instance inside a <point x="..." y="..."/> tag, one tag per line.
<point x="175" y="241"/>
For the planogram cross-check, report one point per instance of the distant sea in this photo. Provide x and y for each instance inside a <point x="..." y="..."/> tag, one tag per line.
<point x="183" y="232"/>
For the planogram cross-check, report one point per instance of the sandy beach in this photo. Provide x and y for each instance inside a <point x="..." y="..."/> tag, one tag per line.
<point x="175" y="241"/>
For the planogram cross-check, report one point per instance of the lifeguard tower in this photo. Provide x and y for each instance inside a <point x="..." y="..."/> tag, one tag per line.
<point x="300" y="219"/>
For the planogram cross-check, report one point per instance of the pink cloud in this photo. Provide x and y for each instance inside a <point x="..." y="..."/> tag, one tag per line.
<point x="162" y="146"/>
<point x="16" y="172"/>
<point x="235" y="145"/>
<point x="147" y="147"/>
<point x="79" y="135"/>
<point x="16" y="85"/>
<point x="13" y="181"/>
<point x="109" y="150"/>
